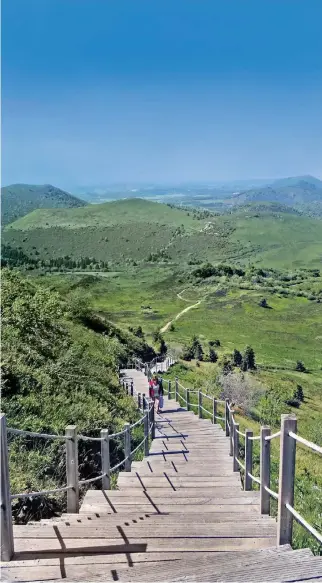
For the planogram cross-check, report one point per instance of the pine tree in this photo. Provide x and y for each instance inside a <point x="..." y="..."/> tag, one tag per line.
<point x="248" y="359"/>
<point x="237" y="358"/>
<point x="198" y="353"/>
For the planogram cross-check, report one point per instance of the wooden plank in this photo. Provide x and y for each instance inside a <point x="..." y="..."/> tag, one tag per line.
<point x="143" y="558"/>
<point x="224" y="530"/>
<point x="169" y="508"/>
<point x="135" y="545"/>
<point x="190" y="496"/>
<point x="166" y="519"/>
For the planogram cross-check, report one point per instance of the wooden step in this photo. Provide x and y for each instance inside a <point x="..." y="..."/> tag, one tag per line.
<point x="155" y="518"/>
<point x="147" y="530"/>
<point x="84" y="544"/>
<point x="136" y="567"/>
<point x="170" y="508"/>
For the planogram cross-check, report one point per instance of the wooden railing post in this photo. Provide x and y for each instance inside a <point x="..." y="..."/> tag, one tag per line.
<point x="265" y="470"/>
<point x="176" y="390"/>
<point x="72" y="469"/>
<point x="231" y="433"/>
<point x="235" y="447"/>
<point x="153" y="422"/>
<point x="132" y="389"/>
<point x="199" y="405"/>
<point x="169" y="390"/>
<point x="143" y="402"/>
<point x="214" y="410"/>
<point x="105" y="455"/>
<point x="127" y="447"/>
<point x="286" y="480"/>
<point x="248" y="482"/>
<point x="188" y="399"/>
<point x="227" y="417"/>
<point x="7" y="543"/>
<point x="146" y="434"/>
<point x="127" y="388"/>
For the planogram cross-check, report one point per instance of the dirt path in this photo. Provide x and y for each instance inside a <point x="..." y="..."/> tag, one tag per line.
<point x="180" y="296"/>
<point x="168" y="324"/>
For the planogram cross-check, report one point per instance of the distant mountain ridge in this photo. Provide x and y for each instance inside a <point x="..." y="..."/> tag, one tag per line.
<point x="293" y="192"/>
<point x="295" y="180"/>
<point x="18" y="200"/>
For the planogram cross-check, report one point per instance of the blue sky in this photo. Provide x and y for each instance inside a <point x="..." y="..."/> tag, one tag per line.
<point x="101" y="91"/>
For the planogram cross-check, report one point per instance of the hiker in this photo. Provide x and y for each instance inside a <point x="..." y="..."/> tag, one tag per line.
<point x="161" y="394"/>
<point x="155" y="390"/>
<point x="151" y="391"/>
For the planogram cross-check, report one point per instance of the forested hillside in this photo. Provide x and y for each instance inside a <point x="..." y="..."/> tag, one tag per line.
<point x="17" y="200"/>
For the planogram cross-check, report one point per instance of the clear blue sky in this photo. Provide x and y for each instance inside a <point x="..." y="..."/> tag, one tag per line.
<point x="99" y="91"/>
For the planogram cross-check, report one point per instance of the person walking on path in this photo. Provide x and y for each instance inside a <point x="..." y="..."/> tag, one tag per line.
<point x="154" y="390"/>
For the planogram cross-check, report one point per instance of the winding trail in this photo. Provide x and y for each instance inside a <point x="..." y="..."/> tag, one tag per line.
<point x="168" y="324"/>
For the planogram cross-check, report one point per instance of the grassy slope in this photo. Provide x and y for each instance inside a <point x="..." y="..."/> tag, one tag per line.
<point x="134" y="228"/>
<point x="108" y="214"/>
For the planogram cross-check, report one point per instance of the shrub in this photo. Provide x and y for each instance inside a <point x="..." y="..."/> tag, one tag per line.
<point x="263" y="303"/>
<point x="239" y="389"/>
<point x="212" y="357"/>
<point x="299" y="367"/>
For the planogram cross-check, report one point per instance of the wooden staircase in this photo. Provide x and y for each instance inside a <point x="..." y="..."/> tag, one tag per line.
<point x="179" y="515"/>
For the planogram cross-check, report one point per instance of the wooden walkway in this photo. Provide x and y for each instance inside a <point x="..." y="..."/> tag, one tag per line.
<point x="179" y="515"/>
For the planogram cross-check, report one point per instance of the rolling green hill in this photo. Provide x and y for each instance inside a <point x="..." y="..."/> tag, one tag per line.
<point x="140" y="231"/>
<point x="122" y="212"/>
<point x="18" y="200"/>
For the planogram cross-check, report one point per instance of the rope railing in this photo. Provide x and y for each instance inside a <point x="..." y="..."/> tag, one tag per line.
<point x="304" y="523"/>
<point x="74" y="484"/>
<point x="206" y="396"/>
<point x="41" y="493"/>
<point x="286" y="486"/>
<point x="240" y="433"/>
<point x="87" y="438"/>
<point x="240" y="463"/>
<point x="288" y="441"/>
<point x="35" y="434"/>
<point x="254" y="478"/>
<point x="121" y="463"/>
<point x="91" y="480"/>
<point x="271" y="492"/>
<point x="303" y="441"/>
<point x="273" y="436"/>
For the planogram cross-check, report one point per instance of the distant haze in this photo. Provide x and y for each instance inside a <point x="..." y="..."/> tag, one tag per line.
<point x="160" y="92"/>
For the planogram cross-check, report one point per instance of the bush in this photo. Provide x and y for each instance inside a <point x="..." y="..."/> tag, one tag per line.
<point x="239" y="389"/>
<point x="214" y="343"/>
<point x="299" y="367"/>
<point x="212" y="356"/>
<point x="263" y="303"/>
